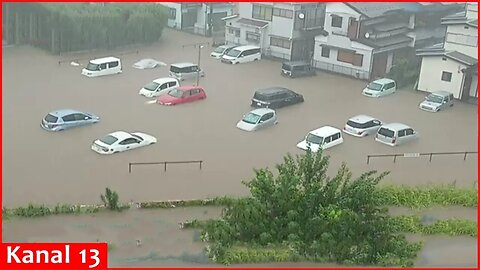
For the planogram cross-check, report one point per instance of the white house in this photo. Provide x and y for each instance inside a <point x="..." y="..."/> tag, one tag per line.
<point x="452" y="66"/>
<point x="362" y="39"/>
<point x="199" y="18"/>
<point x="283" y="30"/>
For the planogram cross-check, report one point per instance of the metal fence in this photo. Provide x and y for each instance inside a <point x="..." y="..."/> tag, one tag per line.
<point x="415" y="155"/>
<point x="164" y="163"/>
<point x="353" y="72"/>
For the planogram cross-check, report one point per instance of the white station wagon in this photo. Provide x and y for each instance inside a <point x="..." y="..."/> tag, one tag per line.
<point x="120" y="141"/>
<point x="362" y="125"/>
<point x="380" y="88"/>
<point x="321" y="138"/>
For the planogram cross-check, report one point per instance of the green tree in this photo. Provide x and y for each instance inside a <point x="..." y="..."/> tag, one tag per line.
<point x="110" y="199"/>
<point x="319" y="218"/>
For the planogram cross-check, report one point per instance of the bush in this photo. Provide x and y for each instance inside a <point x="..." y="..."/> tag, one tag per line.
<point x="110" y="200"/>
<point x="453" y="227"/>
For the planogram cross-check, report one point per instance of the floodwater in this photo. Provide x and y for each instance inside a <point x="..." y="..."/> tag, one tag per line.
<point x="164" y="244"/>
<point x="44" y="167"/>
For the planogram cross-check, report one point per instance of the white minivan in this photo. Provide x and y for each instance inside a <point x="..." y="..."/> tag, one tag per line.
<point x="379" y="88"/>
<point x="394" y="134"/>
<point x="242" y="54"/>
<point x="321" y="138"/>
<point x="103" y="66"/>
<point x="159" y="87"/>
<point x="185" y="71"/>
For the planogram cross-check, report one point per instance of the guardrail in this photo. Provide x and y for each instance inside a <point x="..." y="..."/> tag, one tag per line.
<point x="414" y="155"/>
<point x="131" y="164"/>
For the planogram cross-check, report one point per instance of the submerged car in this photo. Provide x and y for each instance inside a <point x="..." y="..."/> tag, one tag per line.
<point x="437" y="101"/>
<point x="159" y="87"/>
<point x="120" y="141"/>
<point x="67" y="118"/>
<point x="148" y="64"/>
<point x="362" y="125"/>
<point x="182" y="94"/>
<point x="258" y="119"/>
<point x="221" y="51"/>
<point x="394" y="134"/>
<point x="321" y="138"/>
<point x="380" y="88"/>
<point x="294" y="69"/>
<point x="275" y="97"/>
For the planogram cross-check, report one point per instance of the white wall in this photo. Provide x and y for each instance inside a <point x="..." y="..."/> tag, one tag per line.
<point x="431" y="75"/>
<point x="472" y="10"/>
<point x="201" y="18"/>
<point x="460" y="29"/>
<point x="342" y="10"/>
<point x="177" y="23"/>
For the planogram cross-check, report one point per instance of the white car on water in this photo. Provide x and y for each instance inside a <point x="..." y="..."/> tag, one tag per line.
<point x="120" y="141"/>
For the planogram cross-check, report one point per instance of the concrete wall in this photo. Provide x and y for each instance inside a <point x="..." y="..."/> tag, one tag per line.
<point x="431" y="75"/>
<point x="177" y="22"/>
<point x="342" y="10"/>
<point x="204" y="11"/>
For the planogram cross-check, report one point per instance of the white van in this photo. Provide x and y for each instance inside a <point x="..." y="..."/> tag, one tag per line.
<point x="185" y="71"/>
<point x="103" y="66"/>
<point x="321" y="138"/>
<point x="379" y="88"/>
<point x="159" y="87"/>
<point x="394" y="134"/>
<point x="242" y="54"/>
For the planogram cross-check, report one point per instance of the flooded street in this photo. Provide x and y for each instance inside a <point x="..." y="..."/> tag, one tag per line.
<point x="164" y="244"/>
<point x="44" y="167"/>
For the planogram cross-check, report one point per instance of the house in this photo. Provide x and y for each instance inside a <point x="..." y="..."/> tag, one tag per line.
<point x="201" y="18"/>
<point x="363" y="39"/>
<point x="453" y="65"/>
<point x="283" y="30"/>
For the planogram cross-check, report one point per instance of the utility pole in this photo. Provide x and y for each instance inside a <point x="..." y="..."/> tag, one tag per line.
<point x="199" y="45"/>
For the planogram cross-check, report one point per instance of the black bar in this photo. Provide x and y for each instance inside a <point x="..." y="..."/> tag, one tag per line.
<point x="431" y="154"/>
<point x="394" y="158"/>
<point x="368" y="159"/>
<point x="130" y="164"/>
<point x="465" y="156"/>
<point x="165" y="168"/>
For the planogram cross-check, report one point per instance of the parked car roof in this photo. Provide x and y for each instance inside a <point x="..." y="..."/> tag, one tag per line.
<point x="361" y="118"/>
<point x="164" y="80"/>
<point x="272" y="90"/>
<point x="63" y="112"/>
<point x="247" y="47"/>
<point x="325" y="131"/>
<point x="395" y="126"/>
<point x="188" y="87"/>
<point x="441" y="93"/>
<point x="384" y="81"/>
<point x="120" y="135"/>
<point x="104" y="59"/>
<point x="262" y="111"/>
<point x="183" y="64"/>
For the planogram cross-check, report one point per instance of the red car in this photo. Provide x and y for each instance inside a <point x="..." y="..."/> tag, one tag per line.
<point x="182" y="94"/>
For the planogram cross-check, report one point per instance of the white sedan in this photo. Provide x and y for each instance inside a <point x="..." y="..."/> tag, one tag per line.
<point x="120" y="141"/>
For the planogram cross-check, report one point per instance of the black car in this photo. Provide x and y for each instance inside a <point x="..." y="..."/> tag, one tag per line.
<point x="275" y="97"/>
<point x="295" y="69"/>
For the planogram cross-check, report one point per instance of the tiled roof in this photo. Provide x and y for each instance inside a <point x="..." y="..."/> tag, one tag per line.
<point x="389" y="41"/>
<point x="463" y="58"/>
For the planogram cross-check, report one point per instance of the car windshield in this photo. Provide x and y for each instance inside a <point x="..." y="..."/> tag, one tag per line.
<point x="219" y="49"/>
<point x="374" y="86"/>
<point x="286" y="67"/>
<point x="109" y="139"/>
<point x="92" y="66"/>
<point x="175" y="93"/>
<point x="434" y="98"/>
<point x="356" y="124"/>
<point x="138" y="137"/>
<point x="386" y="132"/>
<point x="50" y="118"/>
<point x="151" y="86"/>
<point x="314" y="139"/>
<point x="251" y="118"/>
<point x="234" y="53"/>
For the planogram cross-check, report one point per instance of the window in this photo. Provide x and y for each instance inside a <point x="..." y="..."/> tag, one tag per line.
<point x="194" y="92"/>
<point x="112" y="64"/>
<point x="172" y="14"/>
<point x="357" y="60"/>
<point x="252" y="37"/>
<point x="266" y="117"/>
<point x="345" y="56"/>
<point x="69" y="118"/>
<point x="81" y="117"/>
<point x="328" y="139"/>
<point x="164" y="86"/>
<point x="325" y="52"/>
<point x="262" y="12"/>
<point x="389" y="85"/>
<point x="103" y="66"/>
<point x="280" y="42"/>
<point x="283" y="13"/>
<point x="129" y="141"/>
<point x="337" y="21"/>
<point x="446" y="76"/>
<point x="335" y="136"/>
<point x="401" y="133"/>
<point x="234" y="31"/>
<point x="409" y="132"/>
<point x="172" y="84"/>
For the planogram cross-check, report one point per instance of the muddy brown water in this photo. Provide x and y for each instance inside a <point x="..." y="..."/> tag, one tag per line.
<point x="164" y="244"/>
<point x="44" y="167"/>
